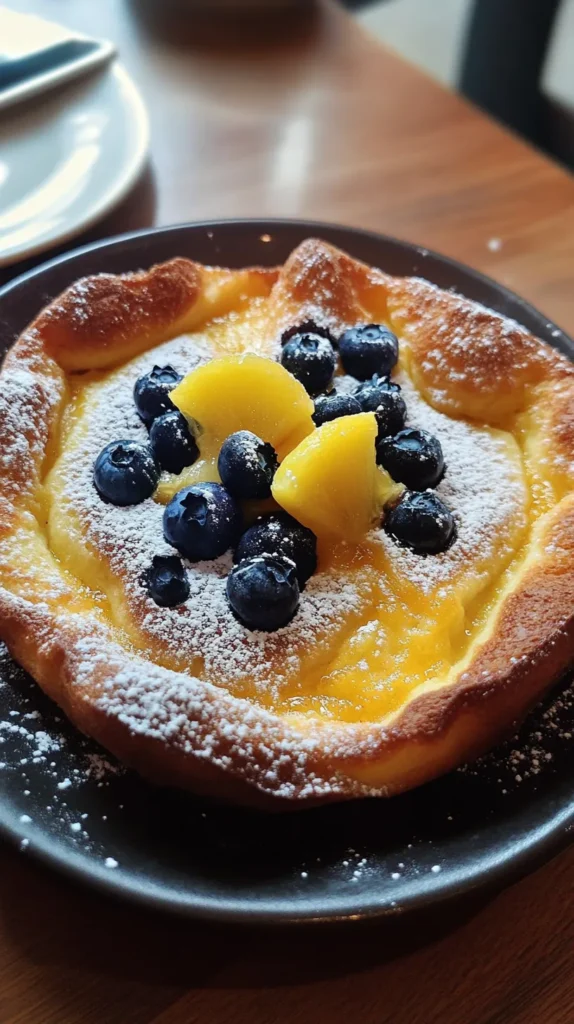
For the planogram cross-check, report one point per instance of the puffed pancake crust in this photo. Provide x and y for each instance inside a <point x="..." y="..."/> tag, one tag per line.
<point x="397" y="667"/>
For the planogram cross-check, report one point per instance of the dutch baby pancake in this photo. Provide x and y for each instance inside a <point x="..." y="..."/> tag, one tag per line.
<point x="286" y="535"/>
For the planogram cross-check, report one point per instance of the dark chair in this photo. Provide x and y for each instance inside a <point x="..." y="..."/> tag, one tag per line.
<point x="501" y="69"/>
<point x="355" y="5"/>
<point x="502" y="65"/>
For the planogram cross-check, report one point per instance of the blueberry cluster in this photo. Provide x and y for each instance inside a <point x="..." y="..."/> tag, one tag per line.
<point x="127" y="472"/>
<point x="309" y="352"/>
<point x="413" y="457"/>
<point x="419" y="520"/>
<point x="276" y="556"/>
<point x="273" y="558"/>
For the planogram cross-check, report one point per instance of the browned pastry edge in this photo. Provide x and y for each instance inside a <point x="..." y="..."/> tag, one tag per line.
<point x="495" y="360"/>
<point x="224" y="745"/>
<point x="103" y="320"/>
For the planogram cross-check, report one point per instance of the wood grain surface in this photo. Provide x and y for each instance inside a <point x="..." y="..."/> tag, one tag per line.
<point x="309" y="118"/>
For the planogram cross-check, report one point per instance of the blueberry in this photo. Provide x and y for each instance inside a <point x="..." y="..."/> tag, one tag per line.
<point x="330" y="407"/>
<point x="202" y="521"/>
<point x="280" y="534"/>
<point x="307" y="327"/>
<point x="263" y="592"/>
<point x="383" y="397"/>
<point x="368" y="349"/>
<point x="421" y="522"/>
<point x="151" y="392"/>
<point x="247" y="465"/>
<point x="311" y="359"/>
<point x="173" y="444"/>
<point x="167" y="581"/>
<point x="413" y="457"/>
<point x="126" y="472"/>
<point x="368" y="394"/>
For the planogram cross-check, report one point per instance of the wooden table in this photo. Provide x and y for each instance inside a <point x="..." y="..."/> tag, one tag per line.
<point x="316" y="121"/>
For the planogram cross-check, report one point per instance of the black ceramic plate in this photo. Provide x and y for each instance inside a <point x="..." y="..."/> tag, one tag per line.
<point x="63" y="802"/>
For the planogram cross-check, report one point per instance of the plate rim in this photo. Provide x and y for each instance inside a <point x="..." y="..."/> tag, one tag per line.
<point x="263" y="222"/>
<point x="525" y="858"/>
<point x="119" y="188"/>
<point x="519" y="859"/>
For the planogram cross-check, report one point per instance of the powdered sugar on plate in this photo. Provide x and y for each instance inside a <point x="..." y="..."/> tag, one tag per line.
<point x="547" y="732"/>
<point x="46" y="762"/>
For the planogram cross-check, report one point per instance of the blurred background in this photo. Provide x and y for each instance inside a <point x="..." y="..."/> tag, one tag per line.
<point x="218" y="108"/>
<point x="515" y="58"/>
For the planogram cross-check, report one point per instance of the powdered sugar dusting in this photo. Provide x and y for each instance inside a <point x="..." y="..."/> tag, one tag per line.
<point x="25" y="434"/>
<point x="318" y="286"/>
<point x="483" y="486"/>
<point x="193" y="654"/>
<point x="201" y="635"/>
<point x="469" y="359"/>
<point x="486" y="490"/>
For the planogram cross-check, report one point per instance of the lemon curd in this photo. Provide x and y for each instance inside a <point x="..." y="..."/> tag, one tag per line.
<point x="377" y="622"/>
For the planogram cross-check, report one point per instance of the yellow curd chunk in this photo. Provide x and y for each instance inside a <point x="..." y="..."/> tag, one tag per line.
<point x="331" y="482"/>
<point x="242" y="392"/>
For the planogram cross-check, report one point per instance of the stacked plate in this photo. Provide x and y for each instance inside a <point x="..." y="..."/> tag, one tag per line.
<point x="69" y="150"/>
